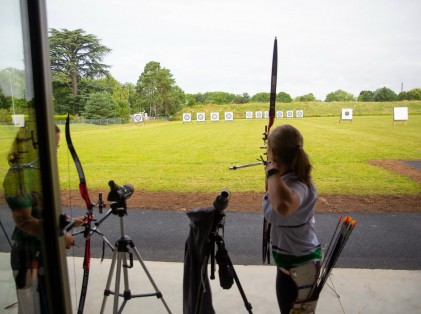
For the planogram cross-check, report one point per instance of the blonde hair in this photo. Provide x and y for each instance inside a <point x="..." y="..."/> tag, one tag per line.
<point x="286" y="143"/>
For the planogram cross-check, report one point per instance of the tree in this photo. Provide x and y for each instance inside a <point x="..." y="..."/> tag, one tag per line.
<point x="190" y="100"/>
<point x="307" y="97"/>
<point x="241" y="99"/>
<point x="261" y="97"/>
<point x="100" y="106"/>
<point x="384" y="94"/>
<point x="89" y="85"/>
<point x="283" y="97"/>
<point x="366" y="95"/>
<point x="339" y="95"/>
<point x="3" y="101"/>
<point x="75" y="55"/>
<point x="157" y="90"/>
<point x="5" y="116"/>
<point x="413" y="94"/>
<point x="13" y="90"/>
<point x="219" y="98"/>
<point x="176" y="99"/>
<point x="403" y="96"/>
<point x="121" y="98"/>
<point x="15" y="78"/>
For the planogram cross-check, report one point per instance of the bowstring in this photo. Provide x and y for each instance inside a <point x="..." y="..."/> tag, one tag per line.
<point x="333" y="288"/>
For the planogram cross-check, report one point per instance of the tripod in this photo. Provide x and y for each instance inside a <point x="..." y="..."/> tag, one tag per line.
<point x="226" y="268"/>
<point x="126" y="246"/>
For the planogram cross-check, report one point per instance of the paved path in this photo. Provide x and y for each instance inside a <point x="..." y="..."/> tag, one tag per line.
<point x="379" y="241"/>
<point x="371" y="291"/>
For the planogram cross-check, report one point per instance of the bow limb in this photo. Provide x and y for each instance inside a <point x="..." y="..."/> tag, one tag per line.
<point x="273" y="85"/>
<point x="266" y="225"/>
<point x="83" y="189"/>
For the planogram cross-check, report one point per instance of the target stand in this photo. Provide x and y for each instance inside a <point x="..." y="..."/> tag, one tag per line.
<point x="229" y="116"/>
<point x="346" y="115"/>
<point x="138" y="118"/>
<point x="400" y="114"/>
<point x="187" y="117"/>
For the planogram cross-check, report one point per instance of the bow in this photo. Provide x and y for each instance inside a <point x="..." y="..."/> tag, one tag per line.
<point x="83" y="189"/>
<point x="272" y="89"/>
<point x="266" y="225"/>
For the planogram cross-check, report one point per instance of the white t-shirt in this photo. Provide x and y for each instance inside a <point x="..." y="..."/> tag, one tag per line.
<point x="294" y="234"/>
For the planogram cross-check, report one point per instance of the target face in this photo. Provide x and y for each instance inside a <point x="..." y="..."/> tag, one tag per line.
<point x="299" y="113"/>
<point x="346" y="114"/>
<point x="200" y="117"/>
<point x="266" y="114"/>
<point x="214" y="116"/>
<point x="258" y="114"/>
<point x="290" y="114"/>
<point x="400" y="113"/>
<point x="138" y="117"/>
<point x="249" y="114"/>
<point x="279" y="114"/>
<point x="186" y="117"/>
<point x="229" y="116"/>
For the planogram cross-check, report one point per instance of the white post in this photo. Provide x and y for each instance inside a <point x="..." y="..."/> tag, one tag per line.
<point x="13" y="102"/>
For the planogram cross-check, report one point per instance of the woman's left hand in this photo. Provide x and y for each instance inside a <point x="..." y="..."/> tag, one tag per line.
<point x="69" y="240"/>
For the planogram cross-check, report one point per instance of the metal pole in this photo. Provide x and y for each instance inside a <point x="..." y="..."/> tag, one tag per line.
<point x="11" y="91"/>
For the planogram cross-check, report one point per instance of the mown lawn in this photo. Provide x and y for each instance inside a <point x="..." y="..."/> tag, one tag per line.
<point x="196" y="157"/>
<point x="172" y="156"/>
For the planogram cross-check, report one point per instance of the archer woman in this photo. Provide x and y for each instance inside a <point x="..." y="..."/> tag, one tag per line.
<point x="23" y="194"/>
<point x="289" y="206"/>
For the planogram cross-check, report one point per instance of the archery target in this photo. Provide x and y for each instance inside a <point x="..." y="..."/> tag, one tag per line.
<point x="400" y="113"/>
<point x="258" y="114"/>
<point x="299" y="113"/>
<point x="186" y="117"/>
<point x="346" y="114"/>
<point x="249" y="114"/>
<point x="137" y="117"/>
<point x="229" y="116"/>
<point x="214" y="116"/>
<point x="266" y="114"/>
<point x="290" y="114"/>
<point x="200" y="117"/>
<point x="279" y="114"/>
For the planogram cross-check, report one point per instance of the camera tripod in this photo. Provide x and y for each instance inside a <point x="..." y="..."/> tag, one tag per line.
<point x="226" y="268"/>
<point x="125" y="246"/>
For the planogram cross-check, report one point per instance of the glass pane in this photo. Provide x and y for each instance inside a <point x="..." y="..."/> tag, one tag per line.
<point x="20" y="175"/>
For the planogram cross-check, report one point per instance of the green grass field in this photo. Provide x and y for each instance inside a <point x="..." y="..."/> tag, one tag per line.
<point x="172" y="156"/>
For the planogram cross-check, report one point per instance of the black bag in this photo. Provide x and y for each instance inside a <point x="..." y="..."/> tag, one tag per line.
<point x="226" y="277"/>
<point x="201" y="222"/>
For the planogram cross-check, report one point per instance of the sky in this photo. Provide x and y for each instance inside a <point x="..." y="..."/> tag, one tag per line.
<point x="227" y="45"/>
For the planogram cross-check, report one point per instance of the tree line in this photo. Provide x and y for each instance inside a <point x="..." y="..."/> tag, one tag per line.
<point x="83" y="85"/>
